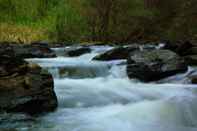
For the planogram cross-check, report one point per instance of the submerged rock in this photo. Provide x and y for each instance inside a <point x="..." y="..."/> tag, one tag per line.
<point x="116" y="53"/>
<point x="154" y="65"/>
<point x="25" y="87"/>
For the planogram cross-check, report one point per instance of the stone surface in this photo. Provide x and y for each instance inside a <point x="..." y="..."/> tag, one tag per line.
<point x="116" y="53"/>
<point x="193" y="79"/>
<point x="191" y="59"/>
<point x="24" y="87"/>
<point x="154" y="65"/>
<point x="27" y="51"/>
<point x="182" y="48"/>
<point x="191" y="51"/>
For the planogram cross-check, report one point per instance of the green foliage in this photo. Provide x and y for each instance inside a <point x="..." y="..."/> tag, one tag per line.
<point x="100" y="20"/>
<point x="69" y="24"/>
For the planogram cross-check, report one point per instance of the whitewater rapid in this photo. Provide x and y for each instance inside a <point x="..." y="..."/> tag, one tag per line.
<point x="98" y="96"/>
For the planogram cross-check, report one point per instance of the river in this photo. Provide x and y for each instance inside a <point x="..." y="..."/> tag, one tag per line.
<point x="98" y="96"/>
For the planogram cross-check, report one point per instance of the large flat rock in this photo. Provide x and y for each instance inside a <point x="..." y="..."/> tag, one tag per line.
<point x="152" y="65"/>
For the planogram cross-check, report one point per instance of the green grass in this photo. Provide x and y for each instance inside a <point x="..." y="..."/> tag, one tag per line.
<point x="56" y="21"/>
<point x="81" y="21"/>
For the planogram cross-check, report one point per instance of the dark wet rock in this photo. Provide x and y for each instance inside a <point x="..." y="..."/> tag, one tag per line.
<point x="40" y="44"/>
<point x="191" y="59"/>
<point x="171" y="46"/>
<point x="11" y="65"/>
<point x="33" y="52"/>
<point x="191" y="51"/>
<point x="60" y="44"/>
<point x="73" y="52"/>
<point x="6" y="49"/>
<point x="182" y="47"/>
<point x="116" y="53"/>
<point x="25" y="87"/>
<point x="193" y="79"/>
<point x="154" y="65"/>
<point x="26" y="51"/>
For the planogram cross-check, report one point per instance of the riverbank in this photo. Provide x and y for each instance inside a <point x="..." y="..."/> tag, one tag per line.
<point x="78" y="21"/>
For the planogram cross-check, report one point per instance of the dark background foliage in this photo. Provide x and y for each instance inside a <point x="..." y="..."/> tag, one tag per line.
<point x="98" y="20"/>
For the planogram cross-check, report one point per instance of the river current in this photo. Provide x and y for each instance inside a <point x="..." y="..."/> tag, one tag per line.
<point x="98" y="96"/>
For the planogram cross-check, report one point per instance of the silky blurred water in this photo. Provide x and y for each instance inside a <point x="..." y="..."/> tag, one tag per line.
<point x="98" y="96"/>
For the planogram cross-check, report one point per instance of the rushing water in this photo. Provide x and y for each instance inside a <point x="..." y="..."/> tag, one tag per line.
<point x="98" y="96"/>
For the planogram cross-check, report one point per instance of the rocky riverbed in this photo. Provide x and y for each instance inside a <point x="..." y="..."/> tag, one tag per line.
<point x="98" y="88"/>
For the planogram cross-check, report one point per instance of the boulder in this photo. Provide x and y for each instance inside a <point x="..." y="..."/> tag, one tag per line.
<point x="78" y="51"/>
<point x="40" y="43"/>
<point x="191" y="51"/>
<point x="116" y="53"/>
<point x="25" y="87"/>
<point x="27" y="51"/>
<point x="50" y="44"/>
<point x="171" y="46"/>
<point x="191" y="59"/>
<point x="193" y="79"/>
<point x="181" y="47"/>
<point x="33" y="52"/>
<point x="154" y="65"/>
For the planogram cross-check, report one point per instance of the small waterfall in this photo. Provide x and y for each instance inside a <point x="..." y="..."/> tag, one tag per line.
<point x="60" y="52"/>
<point x="98" y="96"/>
<point x="76" y="68"/>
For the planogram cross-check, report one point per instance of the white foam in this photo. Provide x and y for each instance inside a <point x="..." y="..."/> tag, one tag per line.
<point x="112" y="102"/>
